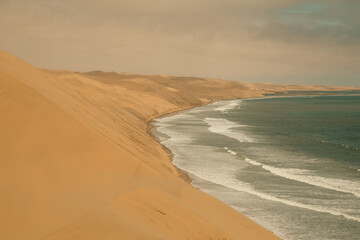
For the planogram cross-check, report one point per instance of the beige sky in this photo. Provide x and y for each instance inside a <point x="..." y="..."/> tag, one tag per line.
<point x="280" y="41"/>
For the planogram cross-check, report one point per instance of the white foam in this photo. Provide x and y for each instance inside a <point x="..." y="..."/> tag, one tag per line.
<point x="253" y="162"/>
<point x="231" y="152"/>
<point x="301" y="175"/>
<point x="224" y="127"/>
<point x="230" y="105"/>
<point x="234" y="184"/>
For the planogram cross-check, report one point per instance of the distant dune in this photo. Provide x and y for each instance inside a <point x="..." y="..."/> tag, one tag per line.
<point x="77" y="161"/>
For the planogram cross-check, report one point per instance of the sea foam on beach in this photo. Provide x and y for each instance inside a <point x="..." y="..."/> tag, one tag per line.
<point x="279" y="161"/>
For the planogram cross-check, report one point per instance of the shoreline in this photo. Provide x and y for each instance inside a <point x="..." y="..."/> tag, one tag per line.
<point x="152" y="131"/>
<point x="103" y="157"/>
<point x="151" y="128"/>
<point x="116" y="178"/>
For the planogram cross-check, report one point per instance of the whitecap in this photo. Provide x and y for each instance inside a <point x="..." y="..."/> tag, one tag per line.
<point x="230" y="105"/>
<point x="234" y="184"/>
<point x="231" y="152"/>
<point x="224" y="127"/>
<point x="302" y="175"/>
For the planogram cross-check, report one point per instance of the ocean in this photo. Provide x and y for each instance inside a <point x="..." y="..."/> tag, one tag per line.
<point x="292" y="164"/>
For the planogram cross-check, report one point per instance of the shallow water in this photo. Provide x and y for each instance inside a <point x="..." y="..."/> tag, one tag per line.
<point x="291" y="164"/>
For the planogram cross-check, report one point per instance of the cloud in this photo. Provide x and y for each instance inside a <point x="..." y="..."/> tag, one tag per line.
<point x="279" y="40"/>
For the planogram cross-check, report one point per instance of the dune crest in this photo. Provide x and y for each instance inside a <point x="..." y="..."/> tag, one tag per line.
<point x="77" y="161"/>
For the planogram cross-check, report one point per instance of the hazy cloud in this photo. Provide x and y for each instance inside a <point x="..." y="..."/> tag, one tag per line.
<point x="279" y="41"/>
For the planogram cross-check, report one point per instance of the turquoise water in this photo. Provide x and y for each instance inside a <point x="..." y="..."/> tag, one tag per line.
<point x="292" y="164"/>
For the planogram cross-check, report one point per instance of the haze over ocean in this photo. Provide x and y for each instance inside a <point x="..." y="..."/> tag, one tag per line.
<point x="278" y="41"/>
<point x="291" y="164"/>
<point x="82" y="81"/>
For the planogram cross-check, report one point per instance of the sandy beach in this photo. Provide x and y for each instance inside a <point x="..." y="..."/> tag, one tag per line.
<point x="78" y="162"/>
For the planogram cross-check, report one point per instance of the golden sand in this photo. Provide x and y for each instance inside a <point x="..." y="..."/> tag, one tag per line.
<point x="77" y="161"/>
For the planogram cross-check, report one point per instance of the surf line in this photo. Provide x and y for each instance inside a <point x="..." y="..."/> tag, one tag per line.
<point x="234" y="184"/>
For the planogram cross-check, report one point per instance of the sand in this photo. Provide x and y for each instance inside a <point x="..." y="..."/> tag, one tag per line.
<point x="77" y="161"/>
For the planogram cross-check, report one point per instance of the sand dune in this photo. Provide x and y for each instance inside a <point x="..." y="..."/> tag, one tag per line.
<point x="77" y="161"/>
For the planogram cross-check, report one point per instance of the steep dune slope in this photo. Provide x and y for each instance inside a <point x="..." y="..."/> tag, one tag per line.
<point x="77" y="162"/>
<point x="53" y="168"/>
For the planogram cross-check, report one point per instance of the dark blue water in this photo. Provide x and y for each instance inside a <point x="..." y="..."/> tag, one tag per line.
<point x="291" y="164"/>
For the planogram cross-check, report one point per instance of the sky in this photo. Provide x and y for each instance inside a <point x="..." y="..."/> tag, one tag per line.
<point x="277" y="41"/>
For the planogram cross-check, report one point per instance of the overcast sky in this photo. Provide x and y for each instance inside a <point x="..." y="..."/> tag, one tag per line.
<point x="279" y="41"/>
